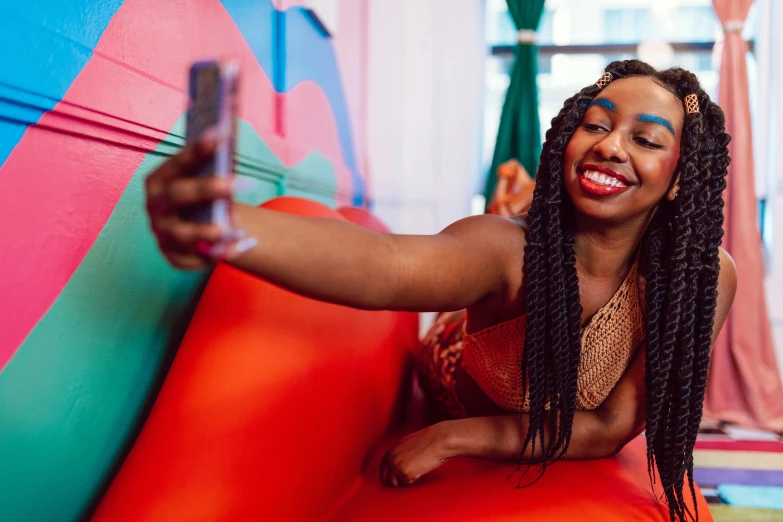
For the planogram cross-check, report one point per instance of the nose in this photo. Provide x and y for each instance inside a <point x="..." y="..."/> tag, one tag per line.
<point x="612" y="148"/>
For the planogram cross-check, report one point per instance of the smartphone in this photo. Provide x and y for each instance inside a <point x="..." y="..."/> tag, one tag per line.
<point x="212" y="94"/>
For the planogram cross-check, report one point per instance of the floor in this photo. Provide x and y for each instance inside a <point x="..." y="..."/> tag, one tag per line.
<point x="740" y="472"/>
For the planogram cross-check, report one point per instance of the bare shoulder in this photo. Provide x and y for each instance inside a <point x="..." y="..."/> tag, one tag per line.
<point x="727" y="288"/>
<point x="502" y="239"/>
<point x="521" y="222"/>
<point x="727" y="280"/>
<point x="505" y="233"/>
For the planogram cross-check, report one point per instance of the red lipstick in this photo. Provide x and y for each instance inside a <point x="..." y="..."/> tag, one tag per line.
<point x="598" y="189"/>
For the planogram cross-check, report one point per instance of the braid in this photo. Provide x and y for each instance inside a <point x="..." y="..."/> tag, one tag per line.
<point x="657" y="282"/>
<point x="552" y="344"/>
<point x="690" y="259"/>
<point x="715" y="159"/>
<point x="678" y="342"/>
<point x="680" y="262"/>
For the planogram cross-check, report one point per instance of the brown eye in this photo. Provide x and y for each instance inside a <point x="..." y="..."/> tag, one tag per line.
<point x="646" y="143"/>
<point x="593" y="127"/>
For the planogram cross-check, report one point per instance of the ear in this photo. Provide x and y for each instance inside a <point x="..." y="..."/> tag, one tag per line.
<point x="675" y="188"/>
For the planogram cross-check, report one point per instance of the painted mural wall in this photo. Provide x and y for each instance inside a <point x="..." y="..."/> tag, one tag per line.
<point x="91" y="100"/>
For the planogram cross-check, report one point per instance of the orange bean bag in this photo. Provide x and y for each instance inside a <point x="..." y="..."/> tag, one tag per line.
<point x="278" y="408"/>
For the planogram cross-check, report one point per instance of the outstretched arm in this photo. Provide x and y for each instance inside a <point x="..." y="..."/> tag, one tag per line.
<point x="347" y="264"/>
<point x="330" y="260"/>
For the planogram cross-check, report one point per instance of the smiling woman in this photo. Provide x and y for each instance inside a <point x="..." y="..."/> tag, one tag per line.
<point x="628" y="143"/>
<point x="632" y="171"/>
<point x="579" y="330"/>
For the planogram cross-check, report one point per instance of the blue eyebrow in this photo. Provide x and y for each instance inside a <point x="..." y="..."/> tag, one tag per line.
<point x="651" y="118"/>
<point x="603" y="102"/>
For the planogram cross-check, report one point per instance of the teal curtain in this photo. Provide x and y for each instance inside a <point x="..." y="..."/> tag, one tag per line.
<point x="519" y="134"/>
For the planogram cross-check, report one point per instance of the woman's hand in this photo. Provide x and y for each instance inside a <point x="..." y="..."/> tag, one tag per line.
<point x="414" y="456"/>
<point x="186" y="244"/>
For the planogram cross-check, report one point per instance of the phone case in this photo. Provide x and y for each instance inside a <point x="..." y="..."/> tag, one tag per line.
<point x="212" y="103"/>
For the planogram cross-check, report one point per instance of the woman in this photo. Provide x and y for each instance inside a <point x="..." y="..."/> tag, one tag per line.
<point x="628" y="196"/>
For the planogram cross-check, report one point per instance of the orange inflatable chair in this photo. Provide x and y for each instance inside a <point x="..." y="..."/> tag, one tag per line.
<point x="278" y="408"/>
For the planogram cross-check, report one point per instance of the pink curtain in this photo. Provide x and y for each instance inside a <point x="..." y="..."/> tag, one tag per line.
<point x="744" y="384"/>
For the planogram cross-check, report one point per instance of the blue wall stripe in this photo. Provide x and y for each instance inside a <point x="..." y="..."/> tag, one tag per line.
<point x="295" y="53"/>
<point x="53" y="41"/>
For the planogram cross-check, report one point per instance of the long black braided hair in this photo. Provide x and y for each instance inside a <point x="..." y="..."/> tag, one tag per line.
<point x="681" y="264"/>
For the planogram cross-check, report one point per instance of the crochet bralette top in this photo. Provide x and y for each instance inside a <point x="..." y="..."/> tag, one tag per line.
<point x="493" y="356"/>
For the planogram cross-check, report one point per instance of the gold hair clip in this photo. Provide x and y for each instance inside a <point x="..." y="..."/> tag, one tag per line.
<point x="691" y="104"/>
<point x="604" y="80"/>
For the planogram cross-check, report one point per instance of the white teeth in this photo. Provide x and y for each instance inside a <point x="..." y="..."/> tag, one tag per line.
<point x="602" y="179"/>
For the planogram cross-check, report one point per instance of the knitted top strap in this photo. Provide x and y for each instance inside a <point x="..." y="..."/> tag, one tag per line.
<point x="493" y="356"/>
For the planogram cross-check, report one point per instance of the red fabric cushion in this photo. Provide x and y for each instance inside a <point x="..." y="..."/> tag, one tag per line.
<point x="607" y="490"/>
<point x="270" y="407"/>
<point x="274" y="403"/>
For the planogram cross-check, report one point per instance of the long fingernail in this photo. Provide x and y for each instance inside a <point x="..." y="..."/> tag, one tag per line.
<point x="218" y="251"/>
<point x="240" y="185"/>
<point x="204" y="248"/>
<point x="244" y="245"/>
<point x="234" y="234"/>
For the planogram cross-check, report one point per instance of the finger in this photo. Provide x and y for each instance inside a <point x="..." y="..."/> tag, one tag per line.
<point x="184" y="161"/>
<point x="195" y="152"/>
<point x="189" y="191"/>
<point x="384" y="467"/>
<point x="405" y="480"/>
<point x="185" y="261"/>
<point x="182" y="236"/>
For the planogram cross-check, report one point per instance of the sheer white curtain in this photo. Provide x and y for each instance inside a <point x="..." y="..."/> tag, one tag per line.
<point x="768" y="133"/>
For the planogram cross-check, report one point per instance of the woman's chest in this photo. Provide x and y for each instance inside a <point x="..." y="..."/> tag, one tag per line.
<point x="595" y="294"/>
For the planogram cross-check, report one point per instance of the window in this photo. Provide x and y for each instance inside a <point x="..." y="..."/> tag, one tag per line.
<point x="578" y="39"/>
<point x="627" y="25"/>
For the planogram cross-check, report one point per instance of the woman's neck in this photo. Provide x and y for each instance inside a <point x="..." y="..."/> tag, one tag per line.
<point x="604" y="252"/>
